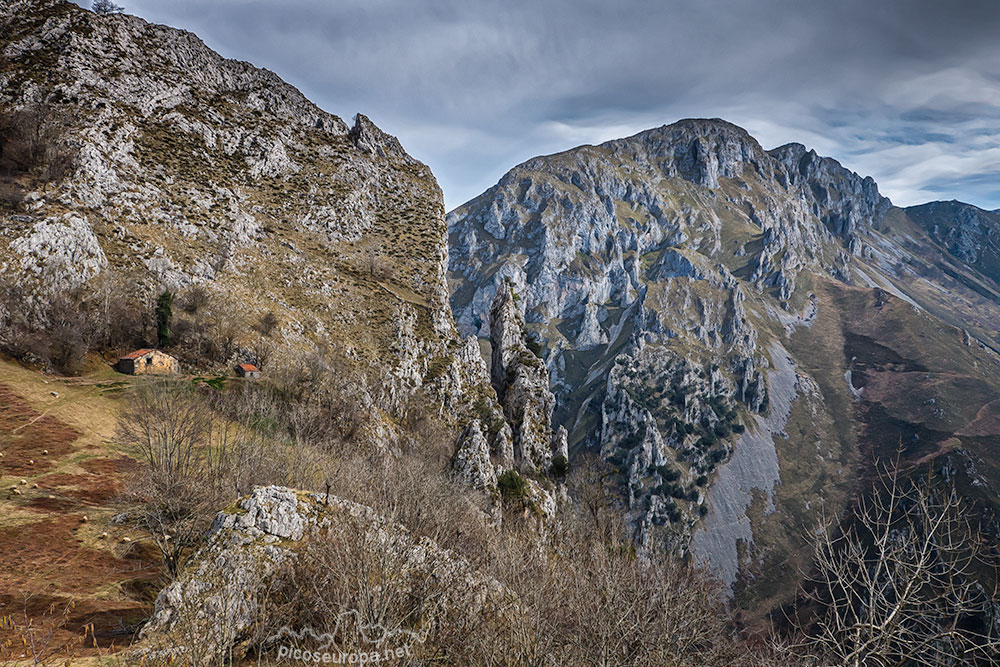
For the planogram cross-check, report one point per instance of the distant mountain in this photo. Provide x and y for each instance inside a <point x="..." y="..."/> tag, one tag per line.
<point x="739" y="331"/>
<point x="966" y="232"/>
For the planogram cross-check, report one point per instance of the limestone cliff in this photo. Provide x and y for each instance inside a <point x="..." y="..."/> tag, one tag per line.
<point x="189" y="169"/>
<point x="710" y="314"/>
<point x="521" y="437"/>
<point x="521" y="381"/>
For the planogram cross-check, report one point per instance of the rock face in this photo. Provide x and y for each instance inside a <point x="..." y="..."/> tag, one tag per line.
<point x="472" y="458"/>
<point x="967" y="232"/>
<point x="521" y="437"/>
<point x="699" y="302"/>
<point x="844" y="203"/>
<point x="521" y="381"/>
<point x="191" y="169"/>
<point x="206" y="613"/>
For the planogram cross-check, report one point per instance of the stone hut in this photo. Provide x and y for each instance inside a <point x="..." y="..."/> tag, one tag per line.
<point x="248" y="371"/>
<point x="147" y="362"/>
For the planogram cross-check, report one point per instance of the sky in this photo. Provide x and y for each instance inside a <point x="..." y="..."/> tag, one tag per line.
<point x="906" y="91"/>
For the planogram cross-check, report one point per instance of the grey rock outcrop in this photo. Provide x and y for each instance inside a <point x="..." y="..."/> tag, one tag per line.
<point x="845" y="202"/>
<point x="64" y="252"/>
<point x="521" y="381"/>
<point x="204" y="615"/>
<point x="560" y="444"/>
<point x="967" y="232"/>
<point x="472" y="461"/>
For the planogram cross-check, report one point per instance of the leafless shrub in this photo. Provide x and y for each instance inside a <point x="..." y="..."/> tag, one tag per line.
<point x="589" y="599"/>
<point x="580" y="595"/>
<point x="32" y="140"/>
<point x="263" y="349"/>
<point x="121" y="318"/>
<point x="71" y="331"/>
<point x="250" y="446"/>
<point x="898" y="583"/>
<point x="355" y="584"/>
<point x="168" y="427"/>
<point x="322" y="398"/>
<point x="226" y="332"/>
<point x="59" y="330"/>
<point x="267" y="324"/>
<point x="11" y="193"/>
<point x="195" y="300"/>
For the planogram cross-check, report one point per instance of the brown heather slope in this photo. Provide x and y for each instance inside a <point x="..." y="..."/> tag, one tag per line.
<point x="56" y="570"/>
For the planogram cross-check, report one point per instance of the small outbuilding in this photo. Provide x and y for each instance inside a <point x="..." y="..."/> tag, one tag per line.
<point x="248" y="371"/>
<point x="147" y="362"/>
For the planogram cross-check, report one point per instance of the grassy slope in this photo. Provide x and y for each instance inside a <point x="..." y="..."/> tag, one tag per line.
<point x="922" y="390"/>
<point x="51" y="555"/>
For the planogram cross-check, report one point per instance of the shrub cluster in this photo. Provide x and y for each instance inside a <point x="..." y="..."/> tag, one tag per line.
<point x="58" y="331"/>
<point x="33" y="146"/>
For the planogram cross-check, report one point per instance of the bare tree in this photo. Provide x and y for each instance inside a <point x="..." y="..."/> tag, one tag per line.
<point x="33" y="139"/>
<point x="105" y="7"/>
<point x="262" y="350"/>
<point x="195" y="300"/>
<point x="243" y="449"/>
<point x="899" y="582"/>
<point x="267" y="323"/>
<point x="579" y="596"/>
<point x="200" y="453"/>
<point x="167" y="427"/>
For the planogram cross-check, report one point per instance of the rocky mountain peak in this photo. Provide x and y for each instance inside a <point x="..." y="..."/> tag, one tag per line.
<point x="842" y="199"/>
<point x="115" y="55"/>
<point x="696" y="149"/>
<point x="965" y="231"/>
<point x="680" y="284"/>
<point x="189" y="171"/>
<point x="372" y="140"/>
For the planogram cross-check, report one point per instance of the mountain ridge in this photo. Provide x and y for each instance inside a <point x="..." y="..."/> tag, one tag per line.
<point x="681" y="283"/>
<point x="186" y="171"/>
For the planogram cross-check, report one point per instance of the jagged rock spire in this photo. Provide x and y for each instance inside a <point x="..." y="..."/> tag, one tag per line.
<point x="521" y="381"/>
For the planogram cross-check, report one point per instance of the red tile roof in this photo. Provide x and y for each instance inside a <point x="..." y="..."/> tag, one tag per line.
<point x="248" y="367"/>
<point x="138" y="353"/>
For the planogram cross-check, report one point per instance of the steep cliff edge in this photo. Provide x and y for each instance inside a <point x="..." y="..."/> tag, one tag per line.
<point x="187" y="170"/>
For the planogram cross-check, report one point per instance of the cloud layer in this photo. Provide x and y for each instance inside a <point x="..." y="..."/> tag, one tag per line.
<point x="905" y="91"/>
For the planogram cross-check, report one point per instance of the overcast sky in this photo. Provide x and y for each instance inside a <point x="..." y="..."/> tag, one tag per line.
<point x="907" y="91"/>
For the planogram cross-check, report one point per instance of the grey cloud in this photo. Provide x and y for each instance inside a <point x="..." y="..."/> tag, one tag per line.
<point x="907" y="91"/>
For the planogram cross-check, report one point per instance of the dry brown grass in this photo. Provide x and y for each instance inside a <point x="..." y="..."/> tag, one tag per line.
<point x="53" y="559"/>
